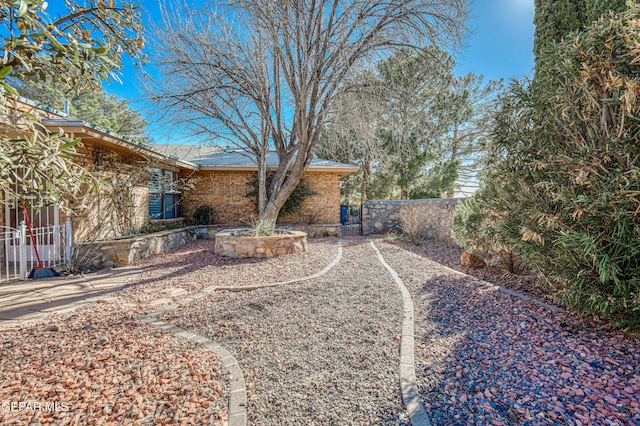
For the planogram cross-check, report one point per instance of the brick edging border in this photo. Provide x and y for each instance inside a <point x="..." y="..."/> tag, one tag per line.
<point x="238" y="394"/>
<point x="408" y="383"/>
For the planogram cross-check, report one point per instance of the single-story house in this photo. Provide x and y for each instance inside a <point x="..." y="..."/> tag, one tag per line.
<point x="220" y="179"/>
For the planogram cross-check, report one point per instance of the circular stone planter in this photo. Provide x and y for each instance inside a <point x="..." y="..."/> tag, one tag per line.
<point x="228" y="243"/>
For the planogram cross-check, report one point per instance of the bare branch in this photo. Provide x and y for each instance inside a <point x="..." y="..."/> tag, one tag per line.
<point x="268" y="71"/>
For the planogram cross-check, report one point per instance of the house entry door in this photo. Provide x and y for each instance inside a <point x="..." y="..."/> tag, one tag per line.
<point x="46" y="229"/>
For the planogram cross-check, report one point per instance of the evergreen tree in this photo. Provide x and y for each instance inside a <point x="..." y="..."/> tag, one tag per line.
<point x="597" y="8"/>
<point x="554" y="19"/>
<point x="562" y="166"/>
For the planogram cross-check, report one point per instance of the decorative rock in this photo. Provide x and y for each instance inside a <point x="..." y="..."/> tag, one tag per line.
<point x="470" y="259"/>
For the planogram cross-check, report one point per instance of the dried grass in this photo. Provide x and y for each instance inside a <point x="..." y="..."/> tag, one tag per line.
<point x="414" y="224"/>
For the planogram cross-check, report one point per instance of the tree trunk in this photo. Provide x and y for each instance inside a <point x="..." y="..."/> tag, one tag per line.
<point x="270" y="216"/>
<point x="366" y="171"/>
<point x="454" y="153"/>
<point x="403" y="180"/>
<point x="262" y="183"/>
<point x="278" y="196"/>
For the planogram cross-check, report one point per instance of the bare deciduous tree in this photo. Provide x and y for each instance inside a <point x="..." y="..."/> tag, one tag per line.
<point x="352" y="125"/>
<point x="473" y="105"/>
<point x="262" y="74"/>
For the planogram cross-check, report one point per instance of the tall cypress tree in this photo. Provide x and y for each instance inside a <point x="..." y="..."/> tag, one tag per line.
<point x="554" y="19"/>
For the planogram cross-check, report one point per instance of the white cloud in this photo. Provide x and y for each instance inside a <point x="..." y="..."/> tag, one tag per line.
<point x="514" y="13"/>
<point x="521" y="8"/>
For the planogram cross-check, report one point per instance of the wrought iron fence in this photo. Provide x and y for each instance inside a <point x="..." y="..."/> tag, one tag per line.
<point x="353" y="223"/>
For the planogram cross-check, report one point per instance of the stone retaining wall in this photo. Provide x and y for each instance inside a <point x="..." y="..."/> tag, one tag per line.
<point x="382" y="216"/>
<point x="129" y="250"/>
<point x="315" y="231"/>
<point x="261" y="247"/>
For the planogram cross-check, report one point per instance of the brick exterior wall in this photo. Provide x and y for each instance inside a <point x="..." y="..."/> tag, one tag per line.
<point x="100" y="219"/>
<point x="225" y="192"/>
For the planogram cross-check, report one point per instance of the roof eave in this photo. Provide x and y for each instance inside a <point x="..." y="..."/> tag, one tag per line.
<point x="343" y="171"/>
<point x="81" y="130"/>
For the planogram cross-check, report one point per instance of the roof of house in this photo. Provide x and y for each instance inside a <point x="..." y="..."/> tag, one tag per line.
<point x="218" y="158"/>
<point x="88" y="131"/>
<point x="59" y="120"/>
<point x="194" y="157"/>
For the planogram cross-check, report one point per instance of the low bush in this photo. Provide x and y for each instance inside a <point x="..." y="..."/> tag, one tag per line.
<point x="204" y="215"/>
<point x="414" y="225"/>
<point x="484" y="233"/>
<point x="264" y="227"/>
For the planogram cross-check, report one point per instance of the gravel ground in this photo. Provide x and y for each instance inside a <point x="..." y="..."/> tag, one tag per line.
<point x="321" y="352"/>
<point x="172" y="276"/>
<point x="449" y="255"/>
<point x="100" y="365"/>
<point x="487" y="358"/>
<point x="106" y="366"/>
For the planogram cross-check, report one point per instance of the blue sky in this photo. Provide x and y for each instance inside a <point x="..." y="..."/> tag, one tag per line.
<point x="499" y="46"/>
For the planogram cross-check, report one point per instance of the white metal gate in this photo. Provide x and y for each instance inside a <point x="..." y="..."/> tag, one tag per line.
<point x="45" y="223"/>
<point x="18" y="256"/>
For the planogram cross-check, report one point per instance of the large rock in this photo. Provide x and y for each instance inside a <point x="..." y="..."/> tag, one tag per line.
<point x="470" y="259"/>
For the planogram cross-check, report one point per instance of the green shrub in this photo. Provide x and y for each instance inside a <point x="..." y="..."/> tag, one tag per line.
<point x="562" y="188"/>
<point x="484" y="233"/>
<point x="204" y="215"/>
<point x="264" y="227"/>
<point x="294" y="202"/>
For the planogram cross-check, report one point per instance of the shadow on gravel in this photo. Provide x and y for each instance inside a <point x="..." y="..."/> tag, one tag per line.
<point x="483" y="356"/>
<point x="181" y="263"/>
<point x="320" y="352"/>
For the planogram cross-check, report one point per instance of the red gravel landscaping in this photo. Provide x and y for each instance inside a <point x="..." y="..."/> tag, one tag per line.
<point x="448" y="254"/>
<point x="100" y="365"/>
<point x="484" y="357"/>
<point x="322" y="350"/>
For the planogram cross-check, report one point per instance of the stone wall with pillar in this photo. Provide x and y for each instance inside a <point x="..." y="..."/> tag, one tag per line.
<point x="382" y="216"/>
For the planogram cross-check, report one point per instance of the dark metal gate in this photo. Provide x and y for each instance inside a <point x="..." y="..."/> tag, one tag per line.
<point x="353" y="224"/>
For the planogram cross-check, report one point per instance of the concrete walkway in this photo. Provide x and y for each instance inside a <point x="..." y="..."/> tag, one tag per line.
<point x="31" y="300"/>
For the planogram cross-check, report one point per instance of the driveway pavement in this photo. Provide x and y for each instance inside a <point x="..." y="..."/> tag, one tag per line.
<point x="25" y="301"/>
